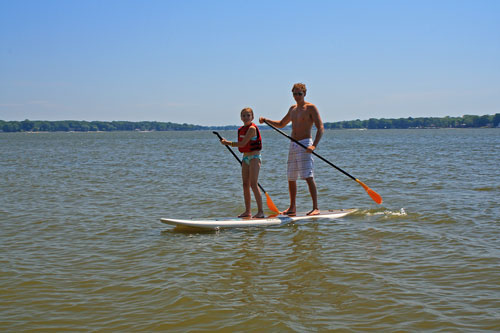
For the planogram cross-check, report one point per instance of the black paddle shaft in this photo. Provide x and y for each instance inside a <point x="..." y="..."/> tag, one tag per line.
<point x="319" y="156"/>
<point x="236" y="157"/>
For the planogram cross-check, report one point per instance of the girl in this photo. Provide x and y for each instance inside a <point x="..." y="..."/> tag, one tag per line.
<point x="249" y="143"/>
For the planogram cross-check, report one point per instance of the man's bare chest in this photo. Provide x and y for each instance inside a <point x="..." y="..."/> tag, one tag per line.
<point x="300" y="115"/>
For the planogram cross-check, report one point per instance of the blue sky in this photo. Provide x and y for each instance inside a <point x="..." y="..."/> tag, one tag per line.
<point x="201" y="62"/>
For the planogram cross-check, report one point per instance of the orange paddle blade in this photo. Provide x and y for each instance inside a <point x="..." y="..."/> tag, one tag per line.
<point x="271" y="204"/>
<point x="374" y="195"/>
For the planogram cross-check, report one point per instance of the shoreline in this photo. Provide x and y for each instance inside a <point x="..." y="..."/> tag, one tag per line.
<point x="264" y="129"/>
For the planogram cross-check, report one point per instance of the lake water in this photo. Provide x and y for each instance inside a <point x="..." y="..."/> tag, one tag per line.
<point x="82" y="247"/>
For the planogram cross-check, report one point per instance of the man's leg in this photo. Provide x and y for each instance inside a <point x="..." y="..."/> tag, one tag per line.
<point x="292" y="189"/>
<point x="314" y="195"/>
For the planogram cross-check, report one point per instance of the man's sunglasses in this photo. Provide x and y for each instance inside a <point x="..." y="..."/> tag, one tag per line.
<point x="298" y="93"/>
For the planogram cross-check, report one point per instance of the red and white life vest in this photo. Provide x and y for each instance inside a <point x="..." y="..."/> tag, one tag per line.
<point x="252" y="145"/>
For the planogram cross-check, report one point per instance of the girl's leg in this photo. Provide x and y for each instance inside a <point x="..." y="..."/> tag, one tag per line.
<point x="245" y="177"/>
<point x="254" y="178"/>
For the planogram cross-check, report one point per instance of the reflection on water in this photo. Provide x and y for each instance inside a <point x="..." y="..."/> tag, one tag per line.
<point x="83" y="248"/>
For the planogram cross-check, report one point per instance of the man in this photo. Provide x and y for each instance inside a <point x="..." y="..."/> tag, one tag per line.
<point x="300" y="162"/>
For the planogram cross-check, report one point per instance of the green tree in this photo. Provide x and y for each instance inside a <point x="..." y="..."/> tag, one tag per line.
<point x="372" y="123"/>
<point x="496" y="120"/>
<point x="27" y="125"/>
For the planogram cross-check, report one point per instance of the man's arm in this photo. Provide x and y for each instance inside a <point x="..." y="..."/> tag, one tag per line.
<point x="316" y="118"/>
<point x="279" y="124"/>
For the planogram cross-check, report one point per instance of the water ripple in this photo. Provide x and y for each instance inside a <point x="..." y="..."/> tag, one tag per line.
<point x="83" y="250"/>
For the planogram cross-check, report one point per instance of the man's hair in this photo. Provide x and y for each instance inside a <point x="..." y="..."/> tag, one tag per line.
<point x="247" y="110"/>
<point x="300" y="86"/>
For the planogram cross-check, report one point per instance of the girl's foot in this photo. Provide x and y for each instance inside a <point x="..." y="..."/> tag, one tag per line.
<point x="259" y="215"/>
<point x="289" y="212"/>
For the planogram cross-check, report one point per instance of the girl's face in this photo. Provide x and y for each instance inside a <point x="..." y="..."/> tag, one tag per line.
<point x="246" y="117"/>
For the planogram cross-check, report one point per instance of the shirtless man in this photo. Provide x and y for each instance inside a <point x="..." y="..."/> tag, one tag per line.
<point x="300" y="162"/>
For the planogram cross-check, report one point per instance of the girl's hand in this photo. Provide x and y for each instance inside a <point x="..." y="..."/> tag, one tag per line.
<point x="225" y="142"/>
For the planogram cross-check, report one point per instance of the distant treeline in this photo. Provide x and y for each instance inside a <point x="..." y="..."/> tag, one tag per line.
<point x="95" y="126"/>
<point x="467" y="121"/>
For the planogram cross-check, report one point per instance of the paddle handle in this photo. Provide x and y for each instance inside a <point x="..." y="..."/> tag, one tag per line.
<point x="314" y="153"/>
<point x="232" y="152"/>
<point x="236" y="157"/>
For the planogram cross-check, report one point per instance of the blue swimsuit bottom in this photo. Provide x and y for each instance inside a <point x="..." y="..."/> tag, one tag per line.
<point x="248" y="158"/>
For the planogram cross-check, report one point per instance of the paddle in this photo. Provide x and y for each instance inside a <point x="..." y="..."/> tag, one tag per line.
<point x="374" y="195"/>
<point x="269" y="202"/>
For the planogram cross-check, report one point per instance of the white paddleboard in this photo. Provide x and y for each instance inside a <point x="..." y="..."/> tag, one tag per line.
<point x="235" y="222"/>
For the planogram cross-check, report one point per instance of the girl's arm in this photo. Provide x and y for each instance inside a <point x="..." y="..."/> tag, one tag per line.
<point x="250" y="134"/>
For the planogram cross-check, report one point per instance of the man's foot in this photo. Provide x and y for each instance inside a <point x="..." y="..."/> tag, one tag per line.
<point x="289" y="212"/>
<point x="245" y="214"/>
<point x="314" y="212"/>
<point x="259" y="216"/>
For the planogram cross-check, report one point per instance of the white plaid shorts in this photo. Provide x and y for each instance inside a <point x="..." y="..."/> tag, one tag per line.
<point x="300" y="163"/>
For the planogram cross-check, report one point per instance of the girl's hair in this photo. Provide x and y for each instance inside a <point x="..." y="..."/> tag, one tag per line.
<point x="247" y="110"/>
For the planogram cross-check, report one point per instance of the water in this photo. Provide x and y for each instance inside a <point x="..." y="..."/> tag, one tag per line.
<point x="82" y="248"/>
